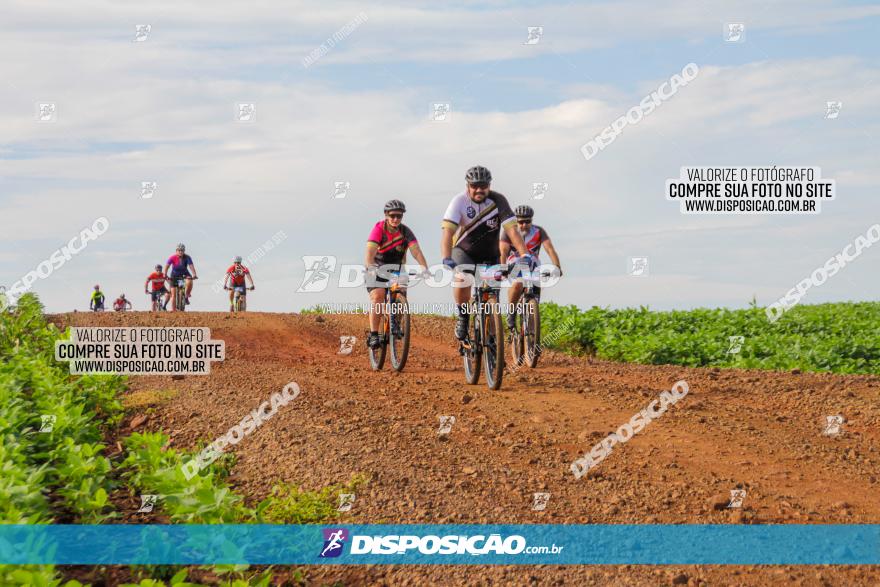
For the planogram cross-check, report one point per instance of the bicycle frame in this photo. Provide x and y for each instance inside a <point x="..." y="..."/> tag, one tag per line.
<point x="482" y="349"/>
<point x="239" y="297"/>
<point x="395" y="290"/>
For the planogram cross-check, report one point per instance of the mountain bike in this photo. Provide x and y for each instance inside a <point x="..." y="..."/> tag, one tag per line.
<point x="156" y="301"/>
<point x="239" y="297"/>
<point x="394" y="330"/>
<point x="179" y="293"/>
<point x="485" y="344"/>
<point x="525" y="338"/>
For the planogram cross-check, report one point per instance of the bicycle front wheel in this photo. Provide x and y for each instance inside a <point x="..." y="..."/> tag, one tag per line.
<point x="516" y="341"/>
<point x="532" y="332"/>
<point x="493" y="352"/>
<point x="377" y="355"/>
<point x="399" y="311"/>
<point x="472" y="354"/>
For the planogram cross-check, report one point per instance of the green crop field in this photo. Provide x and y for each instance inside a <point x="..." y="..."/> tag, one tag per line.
<point x="838" y="338"/>
<point x="55" y="466"/>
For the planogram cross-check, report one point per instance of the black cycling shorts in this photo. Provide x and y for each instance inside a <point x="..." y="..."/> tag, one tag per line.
<point x="462" y="258"/>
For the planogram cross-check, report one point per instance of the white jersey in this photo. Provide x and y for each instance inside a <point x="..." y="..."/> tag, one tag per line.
<point x="478" y="225"/>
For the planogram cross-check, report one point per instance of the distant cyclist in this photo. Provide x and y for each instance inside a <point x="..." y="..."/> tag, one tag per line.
<point x="121" y="304"/>
<point x="96" y="302"/>
<point x="180" y="264"/>
<point x="155" y="286"/>
<point x="535" y="237"/>
<point x="235" y="278"/>
<point x="387" y="246"/>
<point x="471" y="226"/>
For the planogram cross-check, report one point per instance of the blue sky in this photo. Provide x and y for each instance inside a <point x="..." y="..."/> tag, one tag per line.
<point x="163" y="110"/>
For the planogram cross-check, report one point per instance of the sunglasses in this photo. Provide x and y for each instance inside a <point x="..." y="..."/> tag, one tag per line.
<point x="523" y="221"/>
<point x="395" y="216"/>
<point x="479" y="186"/>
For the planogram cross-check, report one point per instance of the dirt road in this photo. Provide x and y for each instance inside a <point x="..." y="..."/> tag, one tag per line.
<point x="759" y="431"/>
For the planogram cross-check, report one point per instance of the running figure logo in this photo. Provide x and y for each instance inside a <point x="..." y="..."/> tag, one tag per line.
<point x="340" y="189"/>
<point x="540" y="501"/>
<point x="47" y="112"/>
<point x="148" y="502"/>
<point x="318" y="271"/>
<point x="148" y="189"/>
<point x="346" y="500"/>
<point x="737" y="496"/>
<point x="446" y="423"/>
<point x="638" y="266"/>
<point x="832" y="425"/>
<point x="246" y="112"/>
<point x="440" y="111"/>
<point x="535" y="34"/>
<point x="736" y="343"/>
<point x="333" y="542"/>
<point x="832" y="109"/>
<point x="142" y="32"/>
<point x="47" y="422"/>
<point x="346" y="344"/>
<point x="539" y="190"/>
<point x="735" y="32"/>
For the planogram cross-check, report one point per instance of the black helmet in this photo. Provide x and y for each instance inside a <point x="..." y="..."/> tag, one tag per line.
<point x="158" y="267"/>
<point x="478" y="174"/>
<point x="524" y="211"/>
<point x="395" y="205"/>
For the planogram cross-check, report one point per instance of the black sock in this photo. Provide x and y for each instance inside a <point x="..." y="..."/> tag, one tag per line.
<point x="376" y="332"/>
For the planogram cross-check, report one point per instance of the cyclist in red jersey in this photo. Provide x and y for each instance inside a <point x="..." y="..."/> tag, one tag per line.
<point x="121" y="304"/>
<point x="155" y="286"/>
<point x="235" y="279"/>
<point x="387" y="246"/>
<point x="534" y="237"/>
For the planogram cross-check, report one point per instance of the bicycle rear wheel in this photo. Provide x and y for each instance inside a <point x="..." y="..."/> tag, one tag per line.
<point x="493" y="353"/>
<point x="532" y="332"/>
<point x="377" y="355"/>
<point x="399" y="308"/>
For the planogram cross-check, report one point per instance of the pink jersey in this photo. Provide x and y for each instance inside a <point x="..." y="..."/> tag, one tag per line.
<point x="392" y="245"/>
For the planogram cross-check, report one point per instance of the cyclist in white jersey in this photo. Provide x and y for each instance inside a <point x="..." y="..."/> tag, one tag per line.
<point x="471" y="225"/>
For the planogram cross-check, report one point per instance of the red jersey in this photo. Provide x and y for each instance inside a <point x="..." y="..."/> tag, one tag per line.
<point x="237" y="274"/>
<point x="157" y="280"/>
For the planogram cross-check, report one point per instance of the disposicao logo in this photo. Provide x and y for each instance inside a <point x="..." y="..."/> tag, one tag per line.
<point x="334" y="541"/>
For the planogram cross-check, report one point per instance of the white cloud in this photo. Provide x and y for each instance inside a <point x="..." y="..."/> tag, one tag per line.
<point x="168" y="104"/>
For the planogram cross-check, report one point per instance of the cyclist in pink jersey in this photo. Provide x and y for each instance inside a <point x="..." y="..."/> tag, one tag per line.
<point x="386" y="251"/>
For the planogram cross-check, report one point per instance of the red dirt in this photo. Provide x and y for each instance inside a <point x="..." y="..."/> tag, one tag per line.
<point x="757" y="430"/>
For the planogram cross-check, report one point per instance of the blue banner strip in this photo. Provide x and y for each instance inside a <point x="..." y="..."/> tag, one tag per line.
<point x="186" y="544"/>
